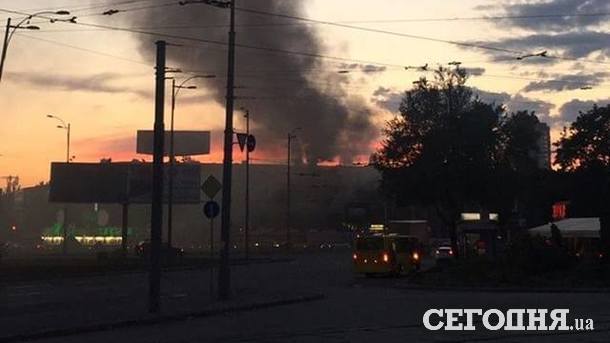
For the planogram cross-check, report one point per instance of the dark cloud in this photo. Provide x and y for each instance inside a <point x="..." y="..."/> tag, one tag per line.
<point x="390" y="100"/>
<point x="307" y="95"/>
<point x="387" y="98"/>
<point x="96" y="83"/>
<point x="365" y="68"/>
<point x="569" y="36"/>
<point x="475" y="71"/>
<point x="492" y="97"/>
<point x="567" y="82"/>
<point x="569" y="111"/>
<point x="545" y="8"/>
<point x="577" y="44"/>
<point x="517" y="102"/>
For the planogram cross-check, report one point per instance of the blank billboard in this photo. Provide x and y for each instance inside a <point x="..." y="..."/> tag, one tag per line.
<point x="119" y="183"/>
<point x="88" y="182"/>
<point x="186" y="143"/>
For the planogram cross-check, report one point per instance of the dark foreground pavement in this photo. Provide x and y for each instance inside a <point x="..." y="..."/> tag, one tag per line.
<point x="353" y="309"/>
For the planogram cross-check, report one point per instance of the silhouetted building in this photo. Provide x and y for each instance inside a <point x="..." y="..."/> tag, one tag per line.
<point x="543" y="153"/>
<point x="322" y="199"/>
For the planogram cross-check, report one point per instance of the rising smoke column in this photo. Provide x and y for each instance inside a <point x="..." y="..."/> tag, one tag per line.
<point x="291" y="90"/>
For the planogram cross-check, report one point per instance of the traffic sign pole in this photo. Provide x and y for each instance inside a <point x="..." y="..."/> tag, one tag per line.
<point x="212" y="257"/>
<point x="211" y="210"/>
<point x="247" y="200"/>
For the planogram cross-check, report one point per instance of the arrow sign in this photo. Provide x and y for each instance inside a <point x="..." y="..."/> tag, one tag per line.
<point x="251" y="143"/>
<point x="211" y="209"/>
<point x="211" y="186"/>
<point x="241" y="139"/>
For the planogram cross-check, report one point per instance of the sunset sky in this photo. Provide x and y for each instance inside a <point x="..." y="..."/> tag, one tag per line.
<point x="102" y="81"/>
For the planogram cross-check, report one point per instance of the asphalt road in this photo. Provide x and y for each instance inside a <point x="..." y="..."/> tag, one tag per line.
<point x="355" y="309"/>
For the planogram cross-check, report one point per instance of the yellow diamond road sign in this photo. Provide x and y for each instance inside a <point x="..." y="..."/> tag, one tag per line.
<point x="211" y="187"/>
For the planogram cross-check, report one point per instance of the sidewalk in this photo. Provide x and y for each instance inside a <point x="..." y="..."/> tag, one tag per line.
<point x="75" y="305"/>
<point x="172" y="312"/>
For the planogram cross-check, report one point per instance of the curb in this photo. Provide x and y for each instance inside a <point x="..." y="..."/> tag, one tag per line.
<point x="157" y="320"/>
<point x="502" y="289"/>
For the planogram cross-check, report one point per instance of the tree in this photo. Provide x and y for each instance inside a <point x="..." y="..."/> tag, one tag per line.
<point x="520" y="138"/>
<point x="449" y="150"/>
<point x="442" y="147"/>
<point x="583" y="154"/>
<point x="586" y="143"/>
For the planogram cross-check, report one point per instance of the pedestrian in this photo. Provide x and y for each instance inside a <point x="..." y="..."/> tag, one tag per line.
<point x="556" y="235"/>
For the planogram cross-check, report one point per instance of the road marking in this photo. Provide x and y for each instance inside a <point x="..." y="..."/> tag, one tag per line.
<point x="175" y="295"/>
<point x="29" y="294"/>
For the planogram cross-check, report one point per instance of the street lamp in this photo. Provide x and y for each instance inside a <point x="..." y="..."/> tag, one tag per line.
<point x="10" y="31"/>
<point x="291" y="135"/>
<point x="64" y="126"/>
<point x="170" y="196"/>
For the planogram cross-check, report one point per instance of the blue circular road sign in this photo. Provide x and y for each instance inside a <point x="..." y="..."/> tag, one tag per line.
<point x="211" y="209"/>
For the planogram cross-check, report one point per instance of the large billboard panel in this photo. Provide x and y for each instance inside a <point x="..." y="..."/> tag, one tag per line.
<point x="186" y="143"/>
<point x="88" y="182"/>
<point x="119" y="183"/>
<point x="187" y="183"/>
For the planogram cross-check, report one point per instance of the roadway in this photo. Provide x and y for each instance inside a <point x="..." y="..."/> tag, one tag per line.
<point x="354" y="309"/>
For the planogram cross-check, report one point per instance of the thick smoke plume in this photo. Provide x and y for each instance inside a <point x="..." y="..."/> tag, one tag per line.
<point x="291" y="90"/>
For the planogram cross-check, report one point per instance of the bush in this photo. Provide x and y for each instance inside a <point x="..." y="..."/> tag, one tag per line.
<point x="534" y="255"/>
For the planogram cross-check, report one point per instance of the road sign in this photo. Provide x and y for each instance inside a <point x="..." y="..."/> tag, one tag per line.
<point x="211" y="187"/>
<point x="241" y="139"/>
<point x="251" y="143"/>
<point x="211" y="209"/>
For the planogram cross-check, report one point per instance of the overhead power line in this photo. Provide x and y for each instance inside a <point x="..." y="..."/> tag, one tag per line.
<point x="91" y="51"/>
<point x="480" y="18"/>
<point x="367" y="29"/>
<point x="316" y="55"/>
<point x="221" y="43"/>
<point x="268" y="74"/>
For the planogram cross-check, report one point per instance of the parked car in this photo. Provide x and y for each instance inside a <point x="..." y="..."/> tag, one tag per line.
<point x="444" y="253"/>
<point x="143" y="250"/>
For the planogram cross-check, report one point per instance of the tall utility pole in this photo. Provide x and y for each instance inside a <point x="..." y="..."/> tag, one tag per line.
<point x="156" y="221"/>
<point x="247" y="200"/>
<point x="288" y="193"/>
<point x="5" y="46"/>
<point x="291" y="136"/>
<point x="170" y="191"/>
<point x="224" y="274"/>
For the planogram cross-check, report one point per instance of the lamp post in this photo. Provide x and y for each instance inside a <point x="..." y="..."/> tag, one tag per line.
<point x="291" y="136"/>
<point x="10" y="31"/>
<point x="170" y="194"/>
<point x="64" y="126"/>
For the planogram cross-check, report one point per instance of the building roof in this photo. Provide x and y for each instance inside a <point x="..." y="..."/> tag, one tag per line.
<point x="408" y="221"/>
<point x="571" y="227"/>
